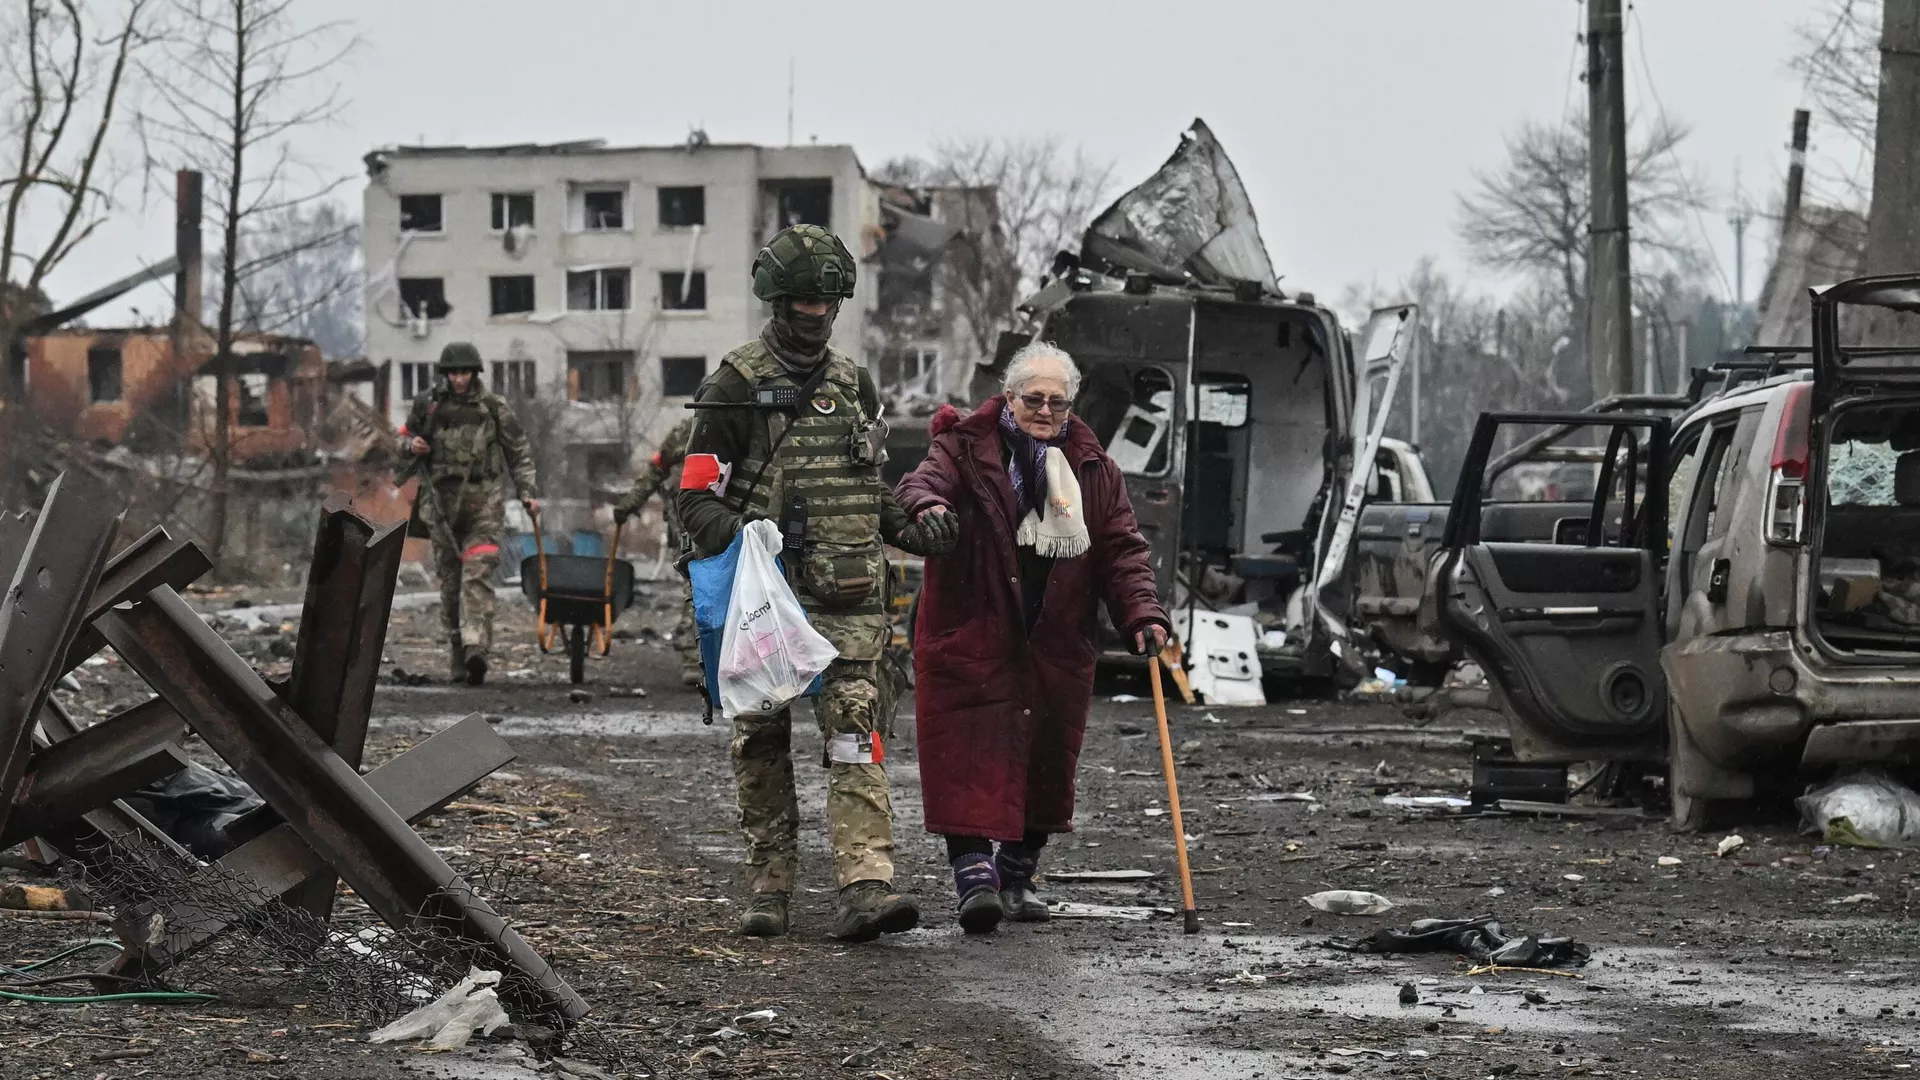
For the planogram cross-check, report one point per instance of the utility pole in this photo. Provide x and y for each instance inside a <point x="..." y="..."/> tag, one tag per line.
<point x="1893" y="222"/>
<point x="1796" y="170"/>
<point x="1609" y="262"/>
<point x="1737" y="219"/>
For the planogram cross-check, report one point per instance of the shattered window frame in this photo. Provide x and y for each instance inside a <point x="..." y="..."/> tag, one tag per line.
<point x="673" y="297"/>
<point x="418" y="219"/>
<point x="424" y="297"/>
<point x="105" y="372"/>
<point x="600" y="288"/>
<point x="252" y="400"/>
<point x="683" y="207"/>
<point x="503" y="210"/>
<point x="603" y="220"/>
<point x="599" y="375"/>
<point x="415" y="379"/>
<point x="510" y="294"/>
<point x="681" y="376"/>
<point x="515" y="378"/>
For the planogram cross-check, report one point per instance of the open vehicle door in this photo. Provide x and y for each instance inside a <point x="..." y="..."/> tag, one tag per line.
<point x="1384" y="345"/>
<point x="1558" y="597"/>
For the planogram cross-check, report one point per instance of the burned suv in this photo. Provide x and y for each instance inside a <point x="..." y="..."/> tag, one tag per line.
<point x="1741" y="593"/>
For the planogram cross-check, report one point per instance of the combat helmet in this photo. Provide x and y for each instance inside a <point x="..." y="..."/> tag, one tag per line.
<point x="459" y="356"/>
<point x="803" y="262"/>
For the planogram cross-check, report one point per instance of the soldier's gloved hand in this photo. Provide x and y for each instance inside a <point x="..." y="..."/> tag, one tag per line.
<point x="935" y="533"/>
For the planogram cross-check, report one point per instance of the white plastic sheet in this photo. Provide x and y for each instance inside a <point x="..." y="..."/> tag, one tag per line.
<point x="452" y="1018"/>
<point x="769" y="654"/>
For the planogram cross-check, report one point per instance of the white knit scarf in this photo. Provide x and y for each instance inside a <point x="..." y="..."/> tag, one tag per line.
<point x="1062" y="532"/>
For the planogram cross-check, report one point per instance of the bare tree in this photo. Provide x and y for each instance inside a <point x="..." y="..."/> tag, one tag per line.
<point x="1531" y="216"/>
<point x="307" y="279"/>
<point x="1035" y="197"/>
<point x="68" y="72"/>
<point x="1839" y="58"/>
<point x="238" y="82"/>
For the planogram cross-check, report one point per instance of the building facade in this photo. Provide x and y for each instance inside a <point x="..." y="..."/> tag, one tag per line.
<point x="600" y="284"/>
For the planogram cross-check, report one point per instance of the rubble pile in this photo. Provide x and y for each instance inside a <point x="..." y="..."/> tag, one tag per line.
<point x="301" y="814"/>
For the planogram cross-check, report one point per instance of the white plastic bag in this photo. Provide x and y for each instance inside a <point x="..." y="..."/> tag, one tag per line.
<point x="451" y="1019"/>
<point x="769" y="654"/>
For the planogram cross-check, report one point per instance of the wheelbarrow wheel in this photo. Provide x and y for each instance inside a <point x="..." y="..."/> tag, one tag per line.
<point x="577" y="654"/>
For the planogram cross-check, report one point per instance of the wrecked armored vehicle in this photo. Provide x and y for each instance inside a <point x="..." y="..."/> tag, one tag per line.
<point x="1228" y="403"/>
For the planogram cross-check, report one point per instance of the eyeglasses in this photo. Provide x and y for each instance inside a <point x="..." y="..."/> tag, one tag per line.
<point x="1036" y="402"/>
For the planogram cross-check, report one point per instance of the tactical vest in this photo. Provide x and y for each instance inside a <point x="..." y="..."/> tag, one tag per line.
<point x="825" y="463"/>
<point x="466" y="434"/>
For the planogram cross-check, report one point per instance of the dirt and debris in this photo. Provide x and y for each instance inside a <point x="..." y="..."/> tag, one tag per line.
<point x="617" y="821"/>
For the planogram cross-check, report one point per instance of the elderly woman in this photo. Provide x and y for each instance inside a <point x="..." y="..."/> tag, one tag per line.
<point x="1004" y="643"/>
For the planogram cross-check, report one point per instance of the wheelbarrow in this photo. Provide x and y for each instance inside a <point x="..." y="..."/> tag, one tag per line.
<point x="578" y="597"/>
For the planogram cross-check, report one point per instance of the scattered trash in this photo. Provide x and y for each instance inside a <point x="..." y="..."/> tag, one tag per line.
<point x="1067" y="909"/>
<point x="1573" y="877"/>
<point x="1237" y="925"/>
<point x="1153" y="811"/>
<point x="579" y="696"/>
<point x="1529" y="806"/>
<point x="1866" y="809"/>
<point x="1244" y="978"/>
<point x="1349" y="902"/>
<point x="451" y="1019"/>
<point x="1291" y="796"/>
<point x="1856" y="898"/>
<point x="1479" y="939"/>
<point x="1535" y="997"/>
<point x="756" y="1018"/>
<point x="1495" y="891"/>
<point x="1730" y="845"/>
<point x="1124" y="699"/>
<point x="1296" y="712"/>
<point x="1409" y="995"/>
<point x="1428" y="802"/>
<point x="1667" y="860"/>
<point x="1101" y="875"/>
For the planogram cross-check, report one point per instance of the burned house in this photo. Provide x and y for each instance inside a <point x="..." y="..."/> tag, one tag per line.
<point x="933" y="320"/>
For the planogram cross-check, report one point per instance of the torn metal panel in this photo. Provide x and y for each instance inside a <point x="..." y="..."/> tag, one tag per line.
<point x="419" y="782"/>
<point x="42" y="613"/>
<point x="325" y="801"/>
<point x="1191" y="220"/>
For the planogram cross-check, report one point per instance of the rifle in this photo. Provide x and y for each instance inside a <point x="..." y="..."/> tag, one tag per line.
<point x="422" y="465"/>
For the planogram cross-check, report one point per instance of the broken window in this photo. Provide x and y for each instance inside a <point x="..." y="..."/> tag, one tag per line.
<point x="683" y="206"/>
<point x="681" y="376"/>
<point x="512" y="295"/>
<point x="514" y="378"/>
<point x="599" y="375"/>
<point x="512" y="210"/>
<point x="103" y="373"/>
<point x="604" y="208"/>
<point x="252" y="389"/>
<point x="682" y="292"/>
<point x="420" y="213"/>
<point x="423" y="298"/>
<point x="1137" y="441"/>
<point x="415" y="379"/>
<point x="909" y="367"/>
<point x="602" y="288"/>
<point x="807" y="202"/>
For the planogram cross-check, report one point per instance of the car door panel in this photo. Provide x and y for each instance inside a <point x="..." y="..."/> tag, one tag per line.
<point x="1568" y="633"/>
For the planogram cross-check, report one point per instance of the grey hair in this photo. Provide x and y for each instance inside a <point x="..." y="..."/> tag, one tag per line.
<point x="1020" y="369"/>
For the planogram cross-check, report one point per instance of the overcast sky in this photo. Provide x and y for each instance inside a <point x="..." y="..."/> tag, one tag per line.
<point x="1355" y="123"/>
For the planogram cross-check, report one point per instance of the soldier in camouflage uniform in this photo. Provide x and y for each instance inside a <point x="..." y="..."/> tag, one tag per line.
<point x="662" y="476"/>
<point x="463" y="437"/>
<point x="792" y="432"/>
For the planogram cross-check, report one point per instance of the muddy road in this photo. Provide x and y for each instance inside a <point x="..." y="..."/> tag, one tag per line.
<point x="613" y="840"/>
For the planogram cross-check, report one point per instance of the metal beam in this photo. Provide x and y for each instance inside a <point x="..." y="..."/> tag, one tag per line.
<point x="154" y="560"/>
<point x="328" y="804"/>
<point x="101" y="763"/>
<point x="277" y="863"/>
<point x="42" y="613"/>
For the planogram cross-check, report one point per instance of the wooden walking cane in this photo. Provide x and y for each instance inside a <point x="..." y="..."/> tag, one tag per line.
<point x="1173" y="798"/>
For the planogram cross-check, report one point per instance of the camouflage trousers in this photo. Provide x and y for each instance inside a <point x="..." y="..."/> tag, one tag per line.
<point x="465" y="567"/>
<point x="859" y="810"/>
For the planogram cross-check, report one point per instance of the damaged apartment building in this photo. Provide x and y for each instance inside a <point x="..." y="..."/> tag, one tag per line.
<point x="602" y="284"/>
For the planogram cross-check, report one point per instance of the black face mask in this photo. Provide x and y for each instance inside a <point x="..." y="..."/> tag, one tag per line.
<point x="802" y="333"/>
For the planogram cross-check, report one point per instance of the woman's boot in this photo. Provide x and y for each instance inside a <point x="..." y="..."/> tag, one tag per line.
<point x="1017" y="863"/>
<point x="978" y="885"/>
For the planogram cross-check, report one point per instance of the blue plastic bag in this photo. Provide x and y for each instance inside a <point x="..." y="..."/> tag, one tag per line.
<point x="712" y="587"/>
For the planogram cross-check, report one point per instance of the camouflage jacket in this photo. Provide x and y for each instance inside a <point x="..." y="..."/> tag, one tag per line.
<point x="661" y="475"/>
<point x="473" y="437"/>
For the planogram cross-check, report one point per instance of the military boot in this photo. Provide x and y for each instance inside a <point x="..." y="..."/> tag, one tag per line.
<point x="871" y="908"/>
<point x="766" y="916"/>
<point x="476" y="665"/>
<point x="457" y="658"/>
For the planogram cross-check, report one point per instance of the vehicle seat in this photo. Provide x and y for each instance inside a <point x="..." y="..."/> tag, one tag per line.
<point x="1906" y="479"/>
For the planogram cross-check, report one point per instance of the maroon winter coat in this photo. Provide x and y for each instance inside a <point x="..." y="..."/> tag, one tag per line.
<point x="1001" y="711"/>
